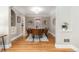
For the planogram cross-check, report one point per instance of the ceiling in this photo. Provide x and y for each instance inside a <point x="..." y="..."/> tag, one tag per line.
<point x="25" y="10"/>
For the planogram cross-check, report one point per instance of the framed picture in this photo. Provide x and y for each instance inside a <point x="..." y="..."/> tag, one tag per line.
<point x="45" y="22"/>
<point x="30" y="21"/>
<point x="13" y="18"/>
<point x="54" y="21"/>
<point x="18" y="19"/>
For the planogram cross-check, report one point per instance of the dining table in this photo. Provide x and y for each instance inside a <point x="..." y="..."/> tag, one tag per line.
<point x="37" y="32"/>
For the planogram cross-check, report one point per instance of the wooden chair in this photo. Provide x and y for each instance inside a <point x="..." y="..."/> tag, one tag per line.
<point x="45" y="31"/>
<point x="34" y="33"/>
<point x="37" y="32"/>
<point x="40" y="33"/>
<point x="28" y="31"/>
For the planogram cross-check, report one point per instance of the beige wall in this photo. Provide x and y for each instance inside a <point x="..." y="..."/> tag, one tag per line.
<point x="4" y="22"/>
<point x="16" y="30"/>
<point x="33" y="19"/>
<point x="5" y="25"/>
<point x="52" y="23"/>
<point x="75" y="26"/>
<point x="63" y="15"/>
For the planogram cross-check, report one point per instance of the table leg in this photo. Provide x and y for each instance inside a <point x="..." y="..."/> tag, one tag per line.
<point x="3" y="43"/>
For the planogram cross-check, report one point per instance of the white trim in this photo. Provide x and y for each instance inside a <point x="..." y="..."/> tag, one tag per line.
<point x="6" y="46"/>
<point x="9" y="45"/>
<point x="51" y="33"/>
<point x="16" y="37"/>
<point x="63" y="46"/>
<point x="75" y="48"/>
<point x="67" y="46"/>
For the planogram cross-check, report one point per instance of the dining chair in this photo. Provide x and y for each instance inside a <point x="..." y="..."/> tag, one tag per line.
<point x="40" y="33"/>
<point x="45" y="31"/>
<point x="28" y="31"/>
<point x="34" y="33"/>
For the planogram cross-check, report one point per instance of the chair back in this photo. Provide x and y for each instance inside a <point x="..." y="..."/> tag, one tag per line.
<point x="45" y="30"/>
<point x="28" y="31"/>
<point x="40" y="31"/>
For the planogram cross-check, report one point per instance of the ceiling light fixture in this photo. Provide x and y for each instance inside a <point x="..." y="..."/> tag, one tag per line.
<point x="37" y="10"/>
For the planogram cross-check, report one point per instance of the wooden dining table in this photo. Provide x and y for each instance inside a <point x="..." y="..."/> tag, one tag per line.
<point x="37" y="32"/>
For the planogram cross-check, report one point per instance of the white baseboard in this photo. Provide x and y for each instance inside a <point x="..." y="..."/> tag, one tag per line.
<point x="9" y="45"/>
<point x="68" y="46"/>
<point x="51" y="33"/>
<point x="63" y="46"/>
<point x="16" y="37"/>
<point x="75" y="48"/>
<point x="6" y="46"/>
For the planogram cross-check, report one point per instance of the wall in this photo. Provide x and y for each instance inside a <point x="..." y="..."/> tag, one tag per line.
<point x="31" y="18"/>
<point x="70" y="15"/>
<point x="5" y="25"/>
<point x="52" y="22"/>
<point x="4" y="14"/>
<point x="75" y="26"/>
<point x="63" y="15"/>
<point x="17" y="30"/>
<point x="4" y="22"/>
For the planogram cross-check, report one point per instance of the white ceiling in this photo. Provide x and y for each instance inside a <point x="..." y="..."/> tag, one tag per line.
<point x="25" y="10"/>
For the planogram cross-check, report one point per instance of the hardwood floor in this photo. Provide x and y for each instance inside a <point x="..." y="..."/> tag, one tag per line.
<point x="22" y="45"/>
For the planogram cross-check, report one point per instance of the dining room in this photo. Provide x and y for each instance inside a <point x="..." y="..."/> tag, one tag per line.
<point x="32" y="28"/>
<point x="38" y="28"/>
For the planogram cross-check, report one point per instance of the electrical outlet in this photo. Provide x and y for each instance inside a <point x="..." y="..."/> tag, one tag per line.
<point x="66" y="40"/>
